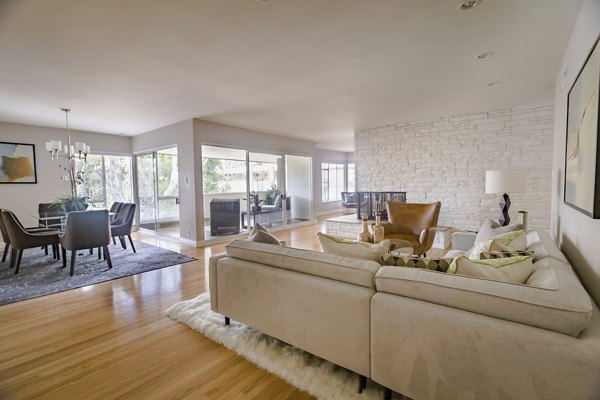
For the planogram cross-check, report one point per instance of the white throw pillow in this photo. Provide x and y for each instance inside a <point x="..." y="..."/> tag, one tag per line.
<point x="353" y="249"/>
<point x="510" y="240"/>
<point x="512" y="269"/>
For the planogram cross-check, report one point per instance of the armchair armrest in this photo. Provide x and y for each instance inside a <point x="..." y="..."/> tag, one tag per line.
<point x="463" y="240"/>
<point x="426" y="239"/>
<point x="390" y="229"/>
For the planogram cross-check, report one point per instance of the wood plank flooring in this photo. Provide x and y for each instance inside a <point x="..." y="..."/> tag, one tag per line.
<point x="113" y="341"/>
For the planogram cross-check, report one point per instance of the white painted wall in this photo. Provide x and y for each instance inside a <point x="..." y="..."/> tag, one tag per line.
<point x="577" y="233"/>
<point x="298" y="182"/>
<point x="23" y="199"/>
<point x="445" y="159"/>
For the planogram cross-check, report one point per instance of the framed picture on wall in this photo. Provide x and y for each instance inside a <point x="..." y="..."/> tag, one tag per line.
<point x="17" y="163"/>
<point x="582" y="156"/>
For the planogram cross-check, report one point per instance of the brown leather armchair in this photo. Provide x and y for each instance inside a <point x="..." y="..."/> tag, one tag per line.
<point x="413" y="222"/>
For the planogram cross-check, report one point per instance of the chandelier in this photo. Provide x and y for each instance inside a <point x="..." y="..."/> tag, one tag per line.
<point x="70" y="153"/>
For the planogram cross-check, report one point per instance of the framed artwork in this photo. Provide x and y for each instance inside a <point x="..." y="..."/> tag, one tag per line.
<point x="582" y="156"/>
<point x="17" y="163"/>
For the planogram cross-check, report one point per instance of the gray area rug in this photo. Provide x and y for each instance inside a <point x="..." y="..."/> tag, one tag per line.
<point x="40" y="275"/>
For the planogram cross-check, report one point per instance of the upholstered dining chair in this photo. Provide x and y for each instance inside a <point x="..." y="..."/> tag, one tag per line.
<point x="122" y="226"/>
<point x="115" y="208"/>
<point x="413" y="222"/>
<point x="86" y="230"/>
<point x="21" y="239"/>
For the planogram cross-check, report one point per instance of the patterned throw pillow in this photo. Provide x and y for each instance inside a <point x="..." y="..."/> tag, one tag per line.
<point x="487" y="255"/>
<point x="513" y="269"/>
<point x="434" y="264"/>
<point x="516" y="240"/>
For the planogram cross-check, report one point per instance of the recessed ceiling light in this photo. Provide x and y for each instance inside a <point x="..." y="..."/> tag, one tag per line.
<point x="483" y="55"/>
<point x="468" y="4"/>
<point x="495" y="83"/>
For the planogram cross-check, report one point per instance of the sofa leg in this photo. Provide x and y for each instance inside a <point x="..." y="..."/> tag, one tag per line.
<point x="387" y="394"/>
<point x="362" y="383"/>
<point x="227" y="321"/>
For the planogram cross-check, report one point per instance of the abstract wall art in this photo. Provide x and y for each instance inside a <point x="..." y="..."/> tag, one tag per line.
<point x="582" y="157"/>
<point x="17" y="163"/>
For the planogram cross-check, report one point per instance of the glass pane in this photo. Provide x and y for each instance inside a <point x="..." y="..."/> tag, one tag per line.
<point x="167" y="213"/>
<point x="117" y="170"/>
<point x="92" y="187"/>
<point x="264" y="182"/>
<point x="351" y="177"/>
<point x="225" y="194"/>
<point x="146" y="190"/>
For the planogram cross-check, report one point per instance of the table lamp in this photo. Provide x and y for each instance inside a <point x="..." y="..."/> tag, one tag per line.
<point x="502" y="182"/>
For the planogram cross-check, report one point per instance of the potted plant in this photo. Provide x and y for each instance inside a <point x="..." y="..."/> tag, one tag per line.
<point x="272" y="194"/>
<point x="255" y="201"/>
<point x="70" y="203"/>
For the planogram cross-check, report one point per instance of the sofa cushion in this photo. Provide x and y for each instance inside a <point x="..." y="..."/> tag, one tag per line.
<point x="512" y="269"/>
<point x="491" y="228"/>
<point x="543" y="246"/>
<point x="344" y="269"/>
<point x="559" y="304"/>
<point x="351" y="248"/>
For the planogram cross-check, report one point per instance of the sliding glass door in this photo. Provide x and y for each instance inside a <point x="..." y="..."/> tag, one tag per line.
<point x="242" y="188"/>
<point x="158" y="191"/>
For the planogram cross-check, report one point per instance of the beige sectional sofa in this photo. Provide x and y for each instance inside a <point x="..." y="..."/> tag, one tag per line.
<point x="425" y="334"/>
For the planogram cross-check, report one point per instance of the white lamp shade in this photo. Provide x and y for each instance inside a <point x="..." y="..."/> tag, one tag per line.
<point x="505" y="181"/>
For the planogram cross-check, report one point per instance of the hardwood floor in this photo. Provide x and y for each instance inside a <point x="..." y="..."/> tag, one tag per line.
<point x="113" y="341"/>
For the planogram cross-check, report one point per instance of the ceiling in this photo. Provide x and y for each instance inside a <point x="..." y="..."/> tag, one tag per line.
<point x="309" y="69"/>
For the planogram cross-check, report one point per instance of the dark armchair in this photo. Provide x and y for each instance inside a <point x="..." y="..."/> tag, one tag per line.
<point x="349" y="202"/>
<point x="123" y="224"/>
<point x="413" y="222"/>
<point x="86" y="230"/>
<point x="20" y="238"/>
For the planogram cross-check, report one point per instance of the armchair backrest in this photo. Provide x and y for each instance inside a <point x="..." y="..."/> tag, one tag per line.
<point x="413" y="217"/>
<point x="129" y="213"/>
<point x="16" y="234"/>
<point x="116" y="207"/>
<point x="86" y="230"/>
<point x="3" y="230"/>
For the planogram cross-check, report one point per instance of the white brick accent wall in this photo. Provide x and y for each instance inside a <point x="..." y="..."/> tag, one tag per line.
<point x="445" y="160"/>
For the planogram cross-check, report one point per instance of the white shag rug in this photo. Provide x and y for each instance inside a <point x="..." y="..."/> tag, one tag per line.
<point x="305" y="371"/>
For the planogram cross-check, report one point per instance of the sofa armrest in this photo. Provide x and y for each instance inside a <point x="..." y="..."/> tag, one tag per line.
<point x="566" y="309"/>
<point x="463" y="240"/>
<point x="212" y="280"/>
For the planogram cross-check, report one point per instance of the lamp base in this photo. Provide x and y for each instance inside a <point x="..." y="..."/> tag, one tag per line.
<point x="504" y="206"/>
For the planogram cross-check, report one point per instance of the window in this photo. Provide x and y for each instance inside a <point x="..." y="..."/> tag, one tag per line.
<point x="223" y="170"/>
<point x="106" y="179"/>
<point x="351" y="186"/>
<point x="332" y="181"/>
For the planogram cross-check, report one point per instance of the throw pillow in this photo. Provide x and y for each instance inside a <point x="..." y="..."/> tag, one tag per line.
<point x="434" y="264"/>
<point x="256" y="228"/>
<point x="512" y="269"/>
<point x="486" y="255"/>
<point x="509" y="241"/>
<point x="278" y="201"/>
<point x="264" y="237"/>
<point x="353" y="249"/>
<point x="491" y="228"/>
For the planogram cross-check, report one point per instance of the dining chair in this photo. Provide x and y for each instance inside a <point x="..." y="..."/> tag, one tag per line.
<point x="85" y="230"/>
<point x="115" y="208"/>
<point x="21" y="239"/>
<point x="122" y="226"/>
